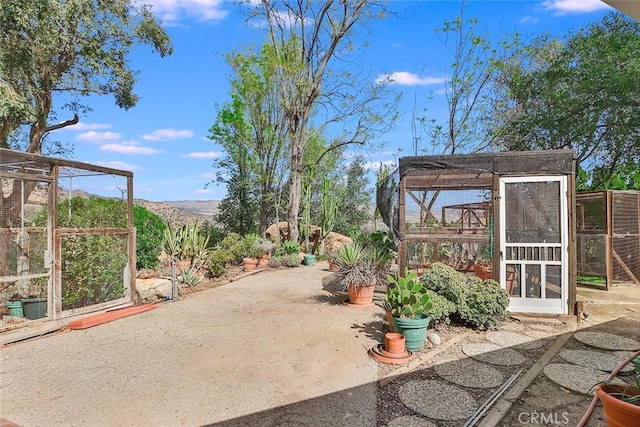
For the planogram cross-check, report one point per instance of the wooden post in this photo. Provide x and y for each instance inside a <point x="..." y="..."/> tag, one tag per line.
<point x="402" y="247"/>
<point x="608" y="258"/>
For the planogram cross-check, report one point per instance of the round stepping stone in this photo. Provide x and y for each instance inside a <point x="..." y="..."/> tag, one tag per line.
<point x="539" y="335"/>
<point x="575" y="378"/>
<point x="437" y="400"/>
<point x="512" y="326"/>
<point x="513" y="339"/>
<point x="410" y="421"/>
<point x="606" y="341"/>
<point x="593" y="359"/>
<point x="492" y="353"/>
<point x="469" y="373"/>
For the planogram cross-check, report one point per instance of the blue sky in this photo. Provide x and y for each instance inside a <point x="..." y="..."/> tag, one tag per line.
<point x="163" y="139"/>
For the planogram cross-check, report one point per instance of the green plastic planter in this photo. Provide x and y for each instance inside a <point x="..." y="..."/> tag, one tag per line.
<point x="34" y="308"/>
<point x="309" y="259"/>
<point x="15" y="308"/>
<point x="414" y="330"/>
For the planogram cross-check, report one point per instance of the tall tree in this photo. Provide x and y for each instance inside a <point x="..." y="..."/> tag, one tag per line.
<point x="254" y="90"/>
<point x="580" y="92"/>
<point x="467" y="86"/>
<point x="75" y="47"/>
<point x="354" y="206"/>
<point x="311" y="39"/>
<point x="239" y="208"/>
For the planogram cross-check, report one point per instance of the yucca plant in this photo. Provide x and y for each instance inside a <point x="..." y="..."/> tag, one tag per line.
<point x="355" y="266"/>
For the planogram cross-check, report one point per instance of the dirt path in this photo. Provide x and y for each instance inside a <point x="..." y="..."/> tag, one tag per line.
<point x="270" y="348"/>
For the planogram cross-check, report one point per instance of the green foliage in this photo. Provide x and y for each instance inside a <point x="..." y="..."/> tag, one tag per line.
<point x="287" y="260"/>
<point x="441" y="308"/>
<point x="447" y="282"/>
<point x="149" y="236"/>
<point x="290" y="247"/>
<point x="186" y="243"/>
<point x="76" y="47"/>
<point x="354" y="207"/>
<point x="190" y="276"/>
<point x="485" y="305"/>
<point x="229" y="250"/>
<point x="92" y="269"/>
<point x="407" y="298"/>
<point x="546" y="98"/>
<point x="355" y="266"/>
<point x="480" y="304"/>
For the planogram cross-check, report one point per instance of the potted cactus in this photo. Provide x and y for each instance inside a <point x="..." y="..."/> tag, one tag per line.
<point x="356" y="273"/>
<point x="409" y="303"/>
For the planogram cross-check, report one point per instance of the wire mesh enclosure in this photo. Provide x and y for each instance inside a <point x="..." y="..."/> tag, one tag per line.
<point x="67" y="243"/>
<point x="608" y="237"/>
<point x="501" y="216"/>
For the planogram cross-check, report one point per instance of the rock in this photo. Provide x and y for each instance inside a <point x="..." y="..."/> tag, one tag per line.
<point x="332" y="242"/>
<point x="434" y="339"/>
<point x="153" y="290"/>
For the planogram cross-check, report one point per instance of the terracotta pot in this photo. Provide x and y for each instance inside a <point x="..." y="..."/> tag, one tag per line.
<point x="361" y="295"/>
<point x="249" y="264"/>
<point x="618" y="412"/>
<point x="333" y="267"/>
<point x="394" y="343"/>
<point x="263" y="261"/>
<point x="483" y="272"/>
<point x="183" y="264"/>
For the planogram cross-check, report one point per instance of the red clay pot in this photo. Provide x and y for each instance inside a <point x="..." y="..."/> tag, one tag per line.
<point x="249" y="264"/>
<point x="394" y="343"/>
<point x="618" y="412"/>
<point x="263" y="261"/>
<point x="483" y="272"/>
<point x="361" y="295"/>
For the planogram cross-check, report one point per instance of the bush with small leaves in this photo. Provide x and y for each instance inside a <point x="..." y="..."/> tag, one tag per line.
<point x="149" y="235"/>
<point x="485" y="305"/>
<point x="441" y="308"/>
<point x="447" y="282"/>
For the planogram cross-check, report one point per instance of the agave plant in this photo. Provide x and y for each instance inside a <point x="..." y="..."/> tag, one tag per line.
<point x="186" y="243"/>
<point x="355" y="266"/>
<point x="406" y="297"/>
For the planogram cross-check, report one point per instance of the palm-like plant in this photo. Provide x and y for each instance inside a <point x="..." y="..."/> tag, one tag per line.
<point x="356" y="266"/>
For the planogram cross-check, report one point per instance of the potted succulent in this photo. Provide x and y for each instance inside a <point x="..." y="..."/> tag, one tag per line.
<point x="620" y="401"/>
<point x="186" y="243"/>
<point x="266" y="247"/>
<point x="409" y="303"/>
<point x="356" y="273"/>
<point x="251" y="251"/>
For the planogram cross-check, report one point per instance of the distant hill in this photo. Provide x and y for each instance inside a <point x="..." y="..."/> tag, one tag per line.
<point x="178" y="213"/>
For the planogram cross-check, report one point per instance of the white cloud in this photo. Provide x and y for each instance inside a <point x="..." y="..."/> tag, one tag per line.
<point x="171" y="11"/>
<point x="208" y="175"/>
<point x="203" y="155"/>
<point x="128" y="149"/>
<point x="563" y="7"/>
<point x="167" y="135"/>
<point x="203" y="191"/>
<point x="408" y="79"/>
<point x="80" y="126"/>
<point x="95" y="137"/>
<point x="119" y="165"/>
<point x="376" y="165"/>
<point x="528" y="20"/>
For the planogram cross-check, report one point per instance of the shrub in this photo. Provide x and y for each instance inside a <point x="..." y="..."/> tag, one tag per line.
<point x="465" y="298"/>
<point x="441" y="308"/>
<point x="447" y="282"/>
<point x="290" y="260"/>
<point x="485" y="305"/>
<point x="290" y="247"/>
<point x="217" y="261"/>
<point x="229" y="250"/>
<point x="149" y="234"/>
